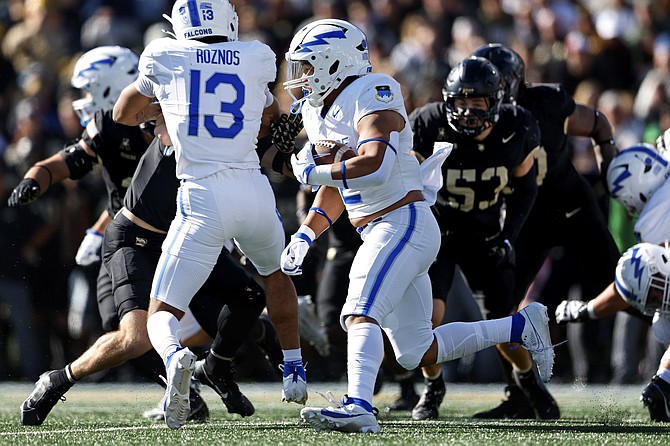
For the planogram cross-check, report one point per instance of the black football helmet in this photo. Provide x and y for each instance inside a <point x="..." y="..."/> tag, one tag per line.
<point x="510" y="65"/>
<point x="474" y="77"/>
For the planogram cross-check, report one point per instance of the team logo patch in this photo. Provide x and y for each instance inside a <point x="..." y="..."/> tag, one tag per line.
<point x="384" y="93"/>
<point x="183" y="15"/>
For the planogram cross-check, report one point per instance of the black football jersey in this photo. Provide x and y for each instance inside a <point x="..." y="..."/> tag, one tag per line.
<point x="119" y="149"/>
<point x="476" y="172"/>
<point x="152" y="195"/>
<point x="551" y="105"/>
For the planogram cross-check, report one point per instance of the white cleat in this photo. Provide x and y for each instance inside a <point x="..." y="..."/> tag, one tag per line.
<point x="179" y="369"/>
<point x="536" y="339"/>
<point x="311" y="327"/>
<point x="294" y="385"/>
<point x="346" y="416"/>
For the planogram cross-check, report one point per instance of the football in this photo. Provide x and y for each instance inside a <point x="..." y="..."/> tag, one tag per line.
<point x="329" y="152"/>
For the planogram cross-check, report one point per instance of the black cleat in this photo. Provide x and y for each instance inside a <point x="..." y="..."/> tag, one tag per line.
<point x="225" y="386"/>
<point x="199" y="411"/>
<point x="540" y="399"/>
<point x="428" y="406"/>
<point x="516" y="406"/>
<point x="656" y="398"/>
<point x="408" y="397"/>
<point x="43" y="398"/>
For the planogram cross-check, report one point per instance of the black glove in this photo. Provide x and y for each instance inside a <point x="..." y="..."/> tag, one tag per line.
<point x="502" y="252"/>
<point x="285" y="130"/>
<point x="26" y="192"/>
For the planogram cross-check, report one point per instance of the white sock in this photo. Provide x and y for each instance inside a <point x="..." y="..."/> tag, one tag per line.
<point x="458" y="339"/>
<point x="163" y="329"/>
<point x="365" y="351"/>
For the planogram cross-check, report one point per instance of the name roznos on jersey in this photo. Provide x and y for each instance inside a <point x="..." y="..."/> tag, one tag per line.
<point x="217" y="56"/>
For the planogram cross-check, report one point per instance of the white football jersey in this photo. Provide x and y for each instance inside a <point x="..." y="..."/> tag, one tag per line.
<point x="212" y="97"/>
<point x="365" y="95"/>
<point x="653" y="224"/>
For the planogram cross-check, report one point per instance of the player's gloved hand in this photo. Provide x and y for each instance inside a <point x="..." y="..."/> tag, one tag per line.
<point x="302" y="164"/>
<point x="26" y="192"/>
<point x="296" y="250"/>
<point x="502" y="252"/>
<point x="89" y="250"/>
<point x="285" y="130"/>
<point x="572" y="311"/>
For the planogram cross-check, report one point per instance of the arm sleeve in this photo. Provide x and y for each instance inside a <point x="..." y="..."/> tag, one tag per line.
<point x="519" y="204"/>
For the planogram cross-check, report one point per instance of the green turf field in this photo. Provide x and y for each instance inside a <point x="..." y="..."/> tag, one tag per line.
<point x="96" y="414"/>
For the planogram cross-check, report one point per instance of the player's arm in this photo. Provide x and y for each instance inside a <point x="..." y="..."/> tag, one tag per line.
<point x="589" y="122"/>
<point x="524" y="188"/>
<point x="269" y="137"/>
<point x="133" y="108"/>
<point x="377" y="144"/>
<point x="327" y="207"/>
<point x="608" y="302"/>
<point x="73" y="162"/>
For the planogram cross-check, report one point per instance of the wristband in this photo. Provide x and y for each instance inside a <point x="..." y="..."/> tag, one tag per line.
<point x="305" y="233"/>
<point x="94" y="232"/>
<point x="322" y="213"/>
<point x="605" y="141"/>
<point x="589" y="308"/>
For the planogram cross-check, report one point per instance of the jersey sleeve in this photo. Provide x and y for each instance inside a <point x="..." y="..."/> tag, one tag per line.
<point x="382" y="93"/>
<point x="532" y="132"/>
<point x="154" y="68"/>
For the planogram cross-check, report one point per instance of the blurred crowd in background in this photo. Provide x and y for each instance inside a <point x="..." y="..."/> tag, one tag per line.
<point x="610" y="54"/>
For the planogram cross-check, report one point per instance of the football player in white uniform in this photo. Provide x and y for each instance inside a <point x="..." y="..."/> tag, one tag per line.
<point x="638" y="177"/>
<point x="329" y="76"/>
<point x="213" y="92"/>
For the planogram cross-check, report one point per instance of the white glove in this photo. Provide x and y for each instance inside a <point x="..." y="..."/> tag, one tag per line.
<point x="303" y="163"/>
<point x="296" y="250"/>
<point x="572" y="311"/>
<point x="89" y="250"/>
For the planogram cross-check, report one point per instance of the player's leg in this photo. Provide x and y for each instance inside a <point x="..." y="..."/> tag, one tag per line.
<point x="261" y="238"/>
<point x="656" y="395"/>
<point x="395" y="251"/>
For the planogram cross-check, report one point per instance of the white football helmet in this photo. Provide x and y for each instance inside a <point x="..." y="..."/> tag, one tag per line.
<point x="194" y="19"/>
<point x="635" y="174"/>
<point x="102" y="73"/>
<point x="643" y="278"/>
<point x="336" y="49"/>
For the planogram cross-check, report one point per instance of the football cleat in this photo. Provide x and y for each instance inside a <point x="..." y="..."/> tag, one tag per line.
<point x="43" y="398"/>
<point x="199" y="410"/>
<point x="656" y="398"/>
<point x="294" y="385"/>
<point x="179" y="368"/>
<point x="515" y="407"/>
<point x="429" y="404"/>
<point x="536" y="392"/>
<point x="311" y="327"/>
<point x="536" y="339"/>
<point x="224" y="385"/>
<point x="349" y="415"/>
<point x="408" y="397"/>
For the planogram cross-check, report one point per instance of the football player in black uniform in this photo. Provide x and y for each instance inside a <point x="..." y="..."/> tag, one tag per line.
<point x="122" y="287"/>
<point x="566" y="213"/>
<point x="491" y="165"/>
